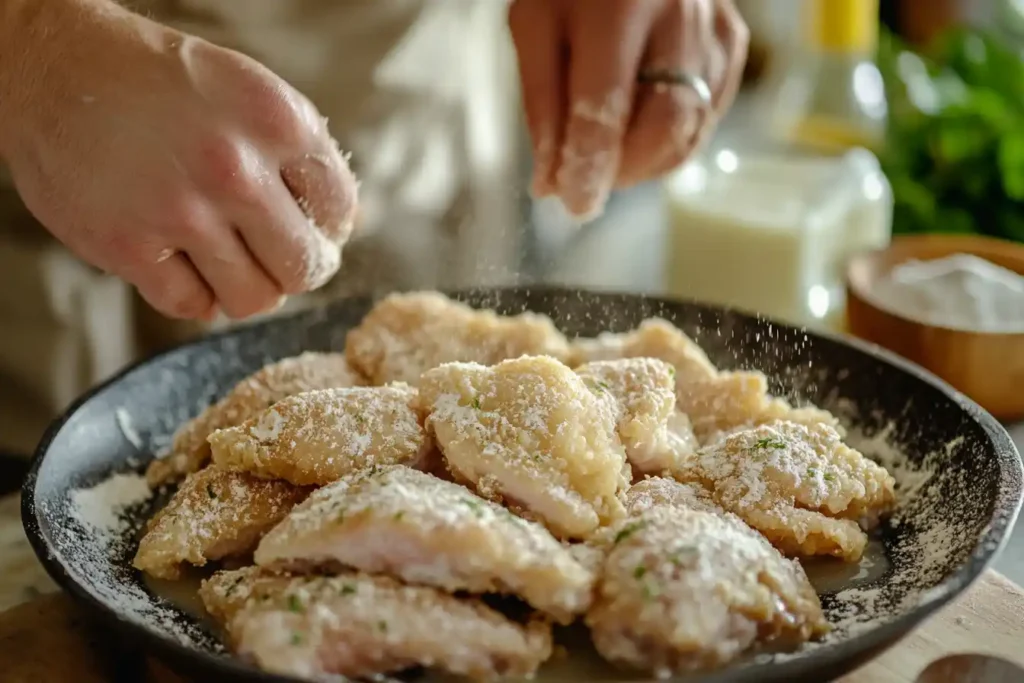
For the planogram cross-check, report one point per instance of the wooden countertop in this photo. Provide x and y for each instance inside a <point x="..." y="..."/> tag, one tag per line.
<point x="36" y="622"/>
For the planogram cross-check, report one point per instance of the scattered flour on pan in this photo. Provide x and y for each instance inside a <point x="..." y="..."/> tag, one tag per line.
<point x="920" y="558"/>
<point x="96" y="544"/>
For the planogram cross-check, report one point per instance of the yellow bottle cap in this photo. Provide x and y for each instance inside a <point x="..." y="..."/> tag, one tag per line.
<point x="843" y="25"/>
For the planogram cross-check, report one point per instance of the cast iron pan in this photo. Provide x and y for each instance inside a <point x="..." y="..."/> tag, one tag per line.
<point x="946" y="536"/>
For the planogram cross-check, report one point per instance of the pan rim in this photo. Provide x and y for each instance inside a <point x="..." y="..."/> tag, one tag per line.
<point x="859" y="648"/>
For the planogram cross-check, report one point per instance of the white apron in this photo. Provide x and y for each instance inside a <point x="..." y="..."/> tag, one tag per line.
<point x="422" y="92"/>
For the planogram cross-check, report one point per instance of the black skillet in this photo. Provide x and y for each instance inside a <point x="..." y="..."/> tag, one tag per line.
<point x="946" y="539"/>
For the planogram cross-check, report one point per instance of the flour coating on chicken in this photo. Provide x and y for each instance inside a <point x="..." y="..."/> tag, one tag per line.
<point x="642" y="393"/>
<point x="307" y="372"/>
<point x="715" y="401"/>
<point x="407" y="334"/>
<point x="685" y="590"/>
<point x="664" y="492"/>
<point x="319" y="436"/>
<point x="213" y="515"/>
<point x="799" y="485"/>
<point x="359" y="626"/>
<point x="529" y="431"/>
<point x="410" y="525"/>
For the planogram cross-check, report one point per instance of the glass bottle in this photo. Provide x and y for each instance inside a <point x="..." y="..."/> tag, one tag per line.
<point x="832" y="97"/>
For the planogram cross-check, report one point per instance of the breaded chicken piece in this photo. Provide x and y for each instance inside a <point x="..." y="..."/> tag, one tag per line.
<point x="415" y="527"/>
<point x="356" y="625"/>
<point x="642" y="392"/>
<point x="798" y="485"/>
<point x="190" y="450"/>
<point x="715" y="401"/>
<point x="407" y="334"/>
<point x="685" y="590"/>
<point x="214" y="514"/>
<point x="665" y="492"/>
<point x="319" y="436"/>
<point x="530" y="432"/>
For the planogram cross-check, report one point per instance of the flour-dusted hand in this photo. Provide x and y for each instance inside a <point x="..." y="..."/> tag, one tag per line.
<point x="593" y="126"/>
<point x="189" y="170"/>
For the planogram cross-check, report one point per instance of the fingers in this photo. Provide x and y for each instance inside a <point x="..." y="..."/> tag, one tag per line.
<point x="606" y="50"/>
<point x="240" y="285"/>
<point x="734" y="37"/>
<point x="293" y="251"/>
<point x="540" y="48"/>
<point x="669" y="119"/>
<point x="172" y="286"/>
<point x="325" y="189"/>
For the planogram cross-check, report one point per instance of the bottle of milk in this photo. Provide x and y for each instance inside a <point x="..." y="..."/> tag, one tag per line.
<point x="770" y="232"/>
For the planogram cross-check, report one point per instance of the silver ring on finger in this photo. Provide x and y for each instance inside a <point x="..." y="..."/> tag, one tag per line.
<point x="677" y="77"/>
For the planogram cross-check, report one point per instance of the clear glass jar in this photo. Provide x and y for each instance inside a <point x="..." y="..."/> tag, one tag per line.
<point x="771" y="232"/>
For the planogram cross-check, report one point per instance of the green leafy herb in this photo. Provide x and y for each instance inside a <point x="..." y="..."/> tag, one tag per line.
<point x="399" y="515"/>
<point x="347" y="589"/>
<point x="296" y="638"/>
<point x="829" y="476"/>
<point x="954" y="150"/>
<point x="295" y="604"/>
<point x="769" y="442"/>
<point x="476" y="402"/>
<point x="382" y="626"/>
<point x="639" y="571"/>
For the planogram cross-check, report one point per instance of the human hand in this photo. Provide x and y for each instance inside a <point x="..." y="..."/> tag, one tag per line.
<point x="189" y="170"/>
<point x="593" y="126"/>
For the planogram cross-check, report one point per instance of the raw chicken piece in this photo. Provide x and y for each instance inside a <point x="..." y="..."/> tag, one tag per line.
<point x="214" y="514"/>
<point x="309" y="371"/>
<point x="415" y="527"/>
<point x="407" y="334"/>
<point x="530" y="432"/>
<point x="319" y="436"/>
<point x="715" y="401"/>
<point x="686" y="590"/>
<point x="357" y="625"/>
<point x="798" y="485"/>
<point x="642" y="392"/>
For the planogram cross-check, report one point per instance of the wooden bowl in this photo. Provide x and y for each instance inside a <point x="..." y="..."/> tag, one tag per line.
<point x="988" y="367"/>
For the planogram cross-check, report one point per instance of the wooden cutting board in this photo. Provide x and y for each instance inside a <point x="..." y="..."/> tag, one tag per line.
<point x="50" y="640"/>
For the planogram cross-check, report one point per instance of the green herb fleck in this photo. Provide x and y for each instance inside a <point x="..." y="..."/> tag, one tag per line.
<point x="627" y="531"/>
<point x="347" y="589"/>
<point x="472" y="505"/>
<point x="399" y="515"/>
<point x="210" y="492"/>
<point x="811" y="472"/>
<point x="683" y="556"/>
<point x="234" y="586"/>
<point x="604" y="385"/>
<point x="769" y="442"/>
<point x="829" y="476"/>
<point x="649" y="591"/>
<point x="296" y="638"/>
<point x="639" y="571"/>
<point x="383" y="626"/>
<point x="476" y="402"/>
<point x="672" y="371"/>
<point x="295" y="604"/>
